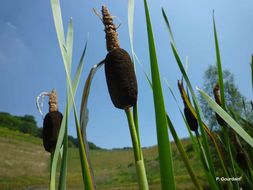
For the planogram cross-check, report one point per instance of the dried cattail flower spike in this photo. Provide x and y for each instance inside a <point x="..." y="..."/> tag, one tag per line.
<point x="216" y="92"/>
<point x="51" y="123"/>
<point x="119" y="69"/>
<point x="121" y="79"/>
<point x="191" y="120"/>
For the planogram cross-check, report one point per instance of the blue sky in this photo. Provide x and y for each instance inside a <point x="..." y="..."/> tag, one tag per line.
<point x="30" y="60"/>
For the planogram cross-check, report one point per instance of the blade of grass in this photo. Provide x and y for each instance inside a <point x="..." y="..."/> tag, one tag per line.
<point x="164" y="149"/>
<point x="230" y="121"/>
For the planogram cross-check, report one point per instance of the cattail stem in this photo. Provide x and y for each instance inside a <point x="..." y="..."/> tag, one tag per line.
<point x="134" y="137"/>
<point x="140" y="167"/>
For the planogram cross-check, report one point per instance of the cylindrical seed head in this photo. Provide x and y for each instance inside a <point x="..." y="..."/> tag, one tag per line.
<point x="191" y="120"/>
<point x="51" y="128"/>
<point x="121" y="79"/>
<point x="51" y="123"/>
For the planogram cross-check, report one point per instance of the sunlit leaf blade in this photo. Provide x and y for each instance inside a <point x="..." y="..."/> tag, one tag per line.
<point x="69" y="43"/>
<point x="230" y="121"/>
<point x="164" y="149"/>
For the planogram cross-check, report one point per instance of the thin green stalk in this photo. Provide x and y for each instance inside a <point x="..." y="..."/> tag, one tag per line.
<point x="133" y="133"/>
<point x="63" y="173"/>
<point x="135" y="115"/>
<point x="52" y="179"/>
<point x="140" y="168"/>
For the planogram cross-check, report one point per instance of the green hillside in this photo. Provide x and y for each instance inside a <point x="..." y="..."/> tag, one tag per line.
<point x="25" y="165"/>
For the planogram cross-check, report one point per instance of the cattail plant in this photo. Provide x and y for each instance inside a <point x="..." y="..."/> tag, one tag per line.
<point x="51" y="123"/>
<point x="119" y="70"/>
<point x="122" y="87"/>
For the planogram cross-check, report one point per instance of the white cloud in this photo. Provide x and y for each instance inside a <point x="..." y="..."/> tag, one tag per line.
<point x="11" y="25"/>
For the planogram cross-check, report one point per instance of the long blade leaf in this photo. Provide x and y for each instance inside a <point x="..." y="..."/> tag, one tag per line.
<point x="164" y="149"/>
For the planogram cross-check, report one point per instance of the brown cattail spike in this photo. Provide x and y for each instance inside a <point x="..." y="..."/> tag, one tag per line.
<point x="191" y="120"/>
<point x="121" y="79"/>
<point x="216" y="92"/>
<point x="112" y="40"/>
<point x="51" y="123"/>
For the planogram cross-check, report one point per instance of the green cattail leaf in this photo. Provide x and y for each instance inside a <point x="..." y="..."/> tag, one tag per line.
<point x="230" y="121"/>
<point x="164" y="149"/>
<point x="168" y="26"/>
<point x="86" y="90"/>
<point x="219" y="66"/>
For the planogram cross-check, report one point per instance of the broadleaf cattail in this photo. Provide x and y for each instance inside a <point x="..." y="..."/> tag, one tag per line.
<point x="216" y="92"/>
<point x="119" y="69"/>
<point x="51" y="123"/>
<point x="191" y="120"/>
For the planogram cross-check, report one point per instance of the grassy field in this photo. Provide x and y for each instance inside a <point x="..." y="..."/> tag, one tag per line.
<point x="25" y="165"/>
